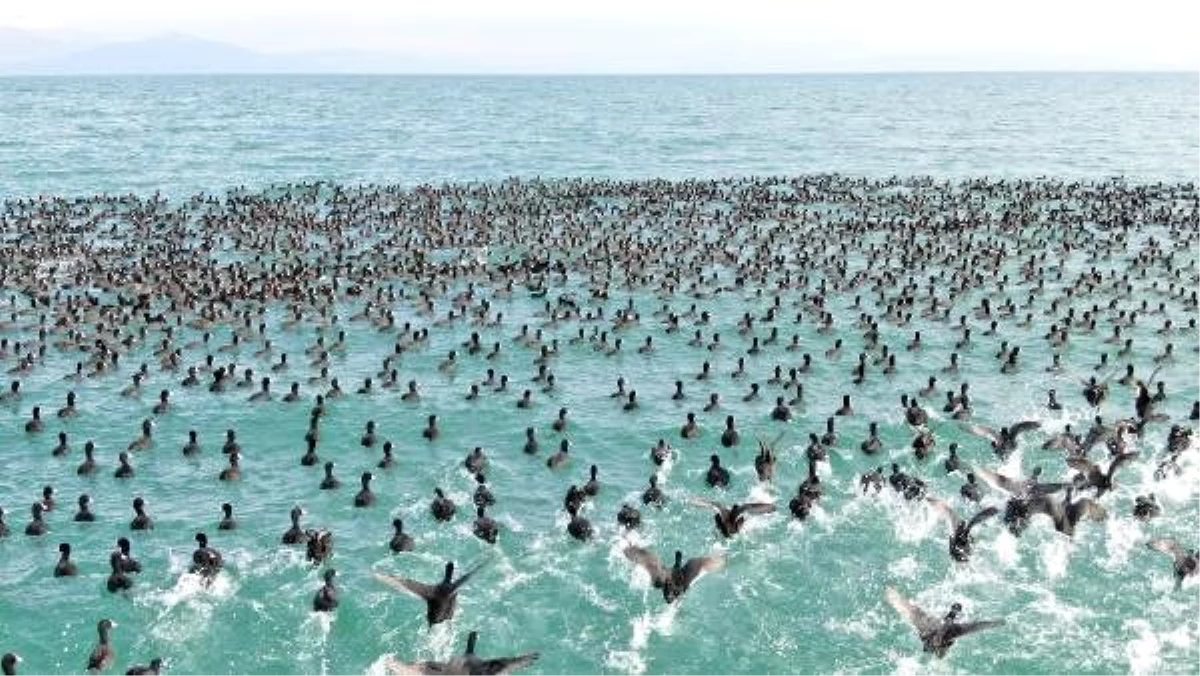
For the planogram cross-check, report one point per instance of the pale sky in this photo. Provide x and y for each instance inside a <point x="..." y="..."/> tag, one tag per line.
<point x="669" y="35"/>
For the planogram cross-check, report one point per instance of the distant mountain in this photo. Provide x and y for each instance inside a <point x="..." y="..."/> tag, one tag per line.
<point x="176" y="53"/>
<point x="18" y="45"/>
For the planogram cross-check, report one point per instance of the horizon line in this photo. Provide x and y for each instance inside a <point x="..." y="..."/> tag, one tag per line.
<point x="519" y="74"/>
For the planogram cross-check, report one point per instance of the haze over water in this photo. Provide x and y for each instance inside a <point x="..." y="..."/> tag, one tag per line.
<point x="793" y="597"/>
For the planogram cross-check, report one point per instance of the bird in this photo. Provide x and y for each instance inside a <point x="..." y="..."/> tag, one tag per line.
<point x="103" y="654"/>
<point x="729" y="520"/>
<point x="1090" y="475"/>
<point x="680" y="577"/>
<point x="936" y="635"/>
<point x="1004" y="440"/>
<point x="467" y="663"/>
<point x="960" y="531"/>
<point x="441" y="599"/>
<point x="1066" y="513"/>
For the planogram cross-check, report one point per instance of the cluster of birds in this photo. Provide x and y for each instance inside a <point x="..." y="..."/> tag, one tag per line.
<point x="97" y="285"/>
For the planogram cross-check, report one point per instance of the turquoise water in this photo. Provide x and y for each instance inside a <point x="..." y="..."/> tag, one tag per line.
<point x="793" y="597"/>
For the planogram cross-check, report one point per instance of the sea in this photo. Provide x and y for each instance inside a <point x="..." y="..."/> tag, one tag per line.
<point x="793" y="597"/>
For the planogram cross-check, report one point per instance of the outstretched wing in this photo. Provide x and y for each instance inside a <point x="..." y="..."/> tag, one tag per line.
<point x="1023" y="426"/>
<point x="758" y="507"/>
<point x="956" y="630"/>
<point x="985" y="432"/>
<point x="504" y="665"/>
<point x="1120" y="460"/>
<point x="983" y="515"/>
<point x="945" y="511"/>
<point x="1002" y="482"/>
<point x="919" y="619"/>
<point x="699" y="565"/>
<point x="468" y="575"/>
<point x="395" y="666"/>
<point x="711" y="504"/>
<point x="406" y="585"/>
<point x="647" y="559"/>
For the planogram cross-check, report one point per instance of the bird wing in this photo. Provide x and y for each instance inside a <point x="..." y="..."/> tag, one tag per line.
<point x="711" y="504"/>
<point x="406" y="585"/>
<point x="395" y="666"/>
<point x="1166" y="546"/>
<point x="758" y="507"/>
<point x="648" y="560"/>
<point x="985" y="432"/>
<point x="1000" y="481"/>
<point x="504" y="665"/>
<point x="945" y="511"/>
<point x="956" y="629"/>
<point x="467" y="575"/>
<point x="1121" y="459"/>
<point x="1023" y="426"/>
<point x="919" y="619"/>
<point x="983" y="515"/>
<point x="699" y="565"/>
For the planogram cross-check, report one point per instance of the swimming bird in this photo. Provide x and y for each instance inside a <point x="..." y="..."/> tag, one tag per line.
<point x="442" y="507"/>
<point x="318" y="546"/>
<point x="295" y="535"/>
<point x="680" y="577"/>
<point x="1091" y="476"/>
<point x="326" y="598"/>
<point x="441" y="599"/>
<point x="937" y="636"/>
<point x="103" y="654"/>
<point x="206" y="561"/>
<point x="155" y="667"/>
<point x="1066" y="513"/>
<point x="467" y="663"/>
<point x="960" y="531"/>
<point x="1004" y="440"/>
<point x="118" y="579"/>
<point x="1022" y="492"/>
<point x="401" y="541"/>
<point x="9" y="663"/>
<point x="65" y="566"/>
<point x="730" y="519"/>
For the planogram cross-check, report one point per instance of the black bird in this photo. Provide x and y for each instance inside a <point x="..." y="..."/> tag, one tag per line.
<point x="103" y="654"/>
<point x="155" y="667"/>
<point x="729" y="520"/>
<point x="441" y="599"/>
<point x="326" y="598"/>
<point x="1091" y="476"/>
<point x="936" y="635"/>
<point x="960" y="531"/>
<point x="1004" y="440"/>
<point x="9" y="663"/>
<point x="680" y="577"/>
<point x="467" y="663"/>
<point x="1066" y="513"/>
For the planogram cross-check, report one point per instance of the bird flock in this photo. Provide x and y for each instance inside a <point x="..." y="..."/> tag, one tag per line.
<point x="753" y="312"/>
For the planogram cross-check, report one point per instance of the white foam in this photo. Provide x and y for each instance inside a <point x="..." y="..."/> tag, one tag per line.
<point x="1005" y="548"/>
<point x="1143" y="651"/>
<point x="1056" y="553"/>
<point x="1123" y="537"/>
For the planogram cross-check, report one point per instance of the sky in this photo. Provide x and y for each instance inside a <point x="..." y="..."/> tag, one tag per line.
<point x="665" y="35"/>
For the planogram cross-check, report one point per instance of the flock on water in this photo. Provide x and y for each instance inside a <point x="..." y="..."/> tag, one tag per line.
<point x="145" y="298"/>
